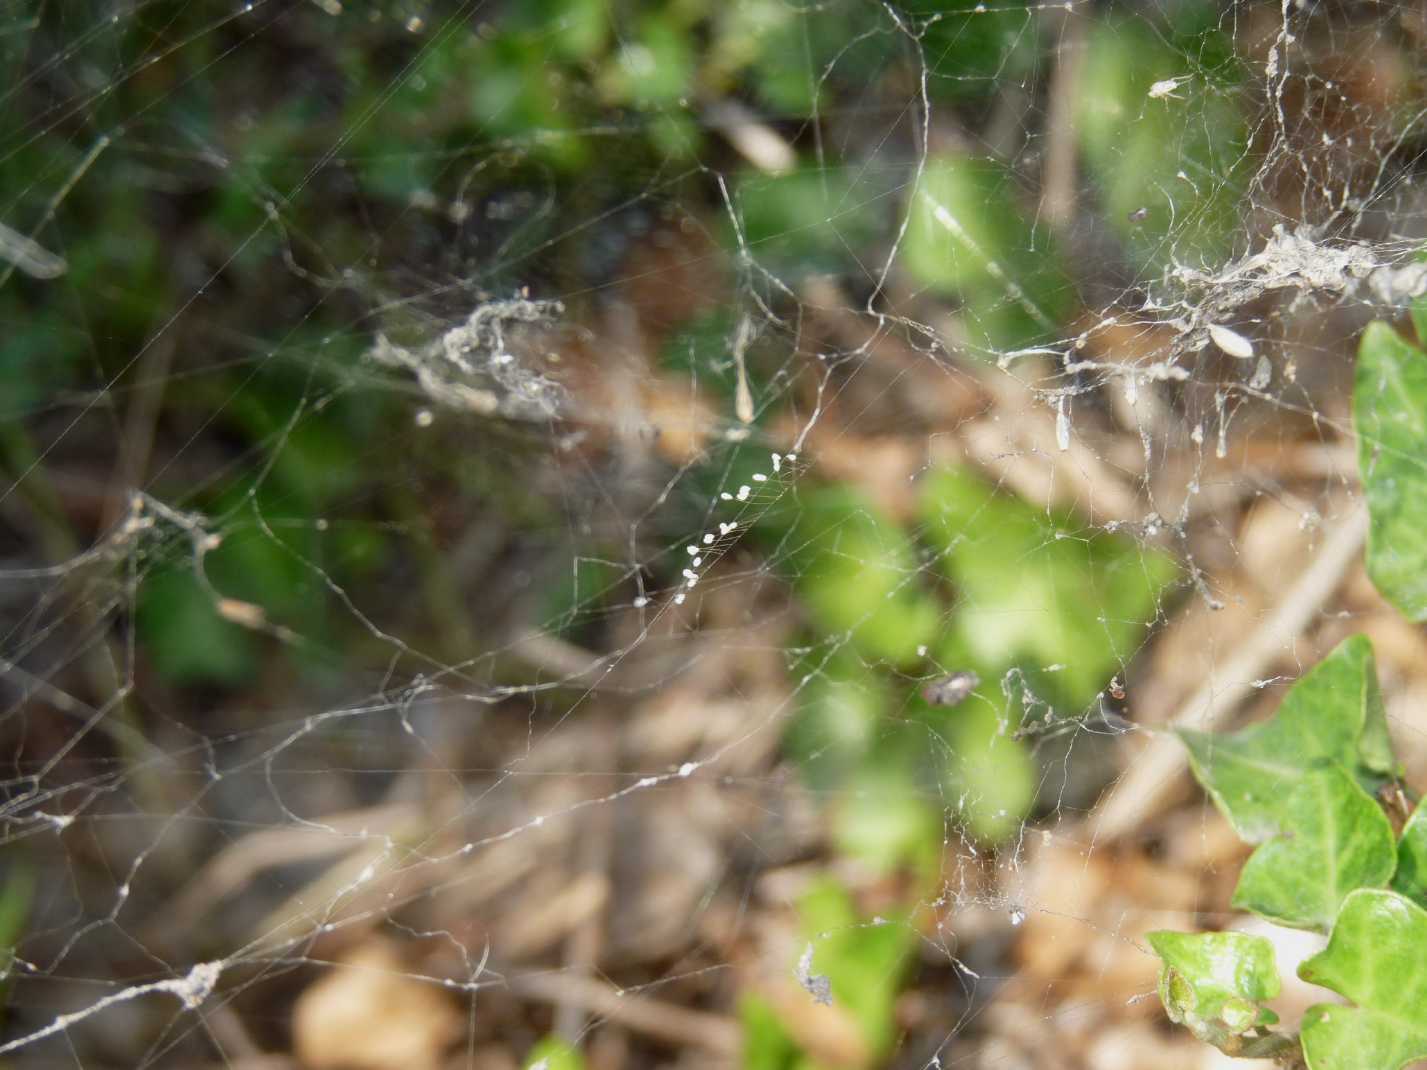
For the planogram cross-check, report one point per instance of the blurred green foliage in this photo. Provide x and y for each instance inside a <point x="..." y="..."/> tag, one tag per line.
<point x="1037" y="590"/>
<point x="967" y="236"/>
<point x="16" y="896"/>
<point x="858" y="574"/>
<point x="1163" y="133"/>
<point x="864" y="962"/>
<point x="322" y="145"/>
<point x="552" y="1053"/>
<point x="811" y="219"/>
<point x="1043" y="608"/>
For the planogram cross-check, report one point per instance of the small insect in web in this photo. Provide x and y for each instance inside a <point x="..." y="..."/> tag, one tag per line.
<point x="950" y="690"/>
<point x="1165" y="89"/>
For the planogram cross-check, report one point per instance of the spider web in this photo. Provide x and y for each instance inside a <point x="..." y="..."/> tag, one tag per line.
<point x="444" y="446"/>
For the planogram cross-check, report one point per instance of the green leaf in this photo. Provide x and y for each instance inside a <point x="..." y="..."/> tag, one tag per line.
<point x="1336" y="840"/>
<point x="886" y="826"/>
<point x="972" y="48"/>
<point x="1411" y="876"/>
<point x="865" y="961"/>
<point x="1377" y="958"/>
<point x="836" y="44"/>
<point x="1173" y="159"/>
<point x="889" y="818"/>
<point x="1390" y="413"/>
<point x="184" y="635"/>
<point x="575" y="595"/>
<point x="808" y="220"/>
<point x="552" y="1053"/>
<point x="1333" y="715"/>
<point x="576" y="29"/>
<point x="1215" y="985"/>
<point x="991" y="776"/>
<point x="837" y="719"/>
<point x="766" y="1044"/>
<point x="654" y="68"/>
<point x="513" y="98"/>
<point x="16" y="897"/>
<point x="858" y="573"/>
<point x="1418" y="312"/>
<point x="966" y="235"/>
<point x="1037" y="590"/>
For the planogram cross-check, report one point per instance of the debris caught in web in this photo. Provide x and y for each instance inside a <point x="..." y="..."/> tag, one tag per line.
<point x="816" y="985"/>
<point x="951" y="690"/>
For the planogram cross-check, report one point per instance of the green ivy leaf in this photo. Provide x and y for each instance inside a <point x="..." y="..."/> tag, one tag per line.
<point x="885" y="822"/>
<point x="766" y="1044"/>
<point x="1337" y="840"/>
<point x="1377" y="958"/>
<point x="1411" y="876"/>
<point x="858" y="573"/>
<point x="838" y="718"/>
<point x="865" y="961"/>
<point x="991" y="776"/>
<point x="1390" y="412"/>
<point x="1333" y="715"/>
<point x="1036" y="590"/>
<point x="1139" y="147"/>
<point x="967" y="235"/>
<point x="552" y="1053"/>
<point x="1215" y="985"/>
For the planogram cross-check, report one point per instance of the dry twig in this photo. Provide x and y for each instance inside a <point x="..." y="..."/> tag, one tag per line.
<point x="1153" y="773"/>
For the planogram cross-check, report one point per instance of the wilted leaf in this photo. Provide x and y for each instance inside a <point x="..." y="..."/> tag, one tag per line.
<point x="1215" y="985"/>
<point x="372" y="1014"/>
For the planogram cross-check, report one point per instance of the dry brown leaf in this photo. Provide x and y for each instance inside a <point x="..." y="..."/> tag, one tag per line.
<point x="369" y="1013"/>
<point x="881" y="468"/>
<point x="827" y="1032"/>
<point x="1275" y="541"/>
<point x="1084" y="939"/>
<point x="680" y="419"/>
<point x="1065" y="884"/>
